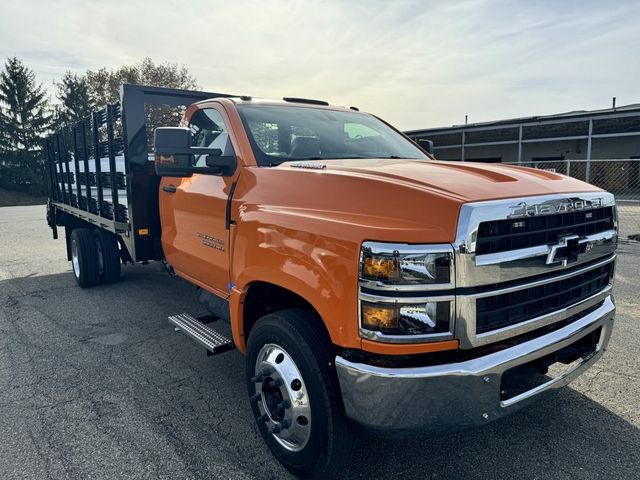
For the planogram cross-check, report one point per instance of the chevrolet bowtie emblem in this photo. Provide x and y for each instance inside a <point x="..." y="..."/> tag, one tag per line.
<point x="567" y="250"/>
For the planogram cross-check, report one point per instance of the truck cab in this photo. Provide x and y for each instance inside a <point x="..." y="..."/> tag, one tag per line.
<point x="365" y="282"/>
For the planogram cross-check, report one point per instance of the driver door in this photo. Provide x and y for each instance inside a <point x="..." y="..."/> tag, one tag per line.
<point x="195" y="237"/>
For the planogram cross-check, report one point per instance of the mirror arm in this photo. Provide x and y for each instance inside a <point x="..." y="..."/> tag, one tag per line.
<point x="215" y="152"/>
<point x="225" y="164"/>
<point x="188" y="151"/>
<point x="207" y="170"/>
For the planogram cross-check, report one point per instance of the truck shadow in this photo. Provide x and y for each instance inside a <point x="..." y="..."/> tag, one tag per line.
<point x="130" y="358"/>
<point x="564" y="435"/>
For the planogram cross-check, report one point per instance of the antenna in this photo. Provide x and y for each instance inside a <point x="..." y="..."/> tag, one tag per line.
<point x="466" y="118"/>
<point x="614" y="103"/>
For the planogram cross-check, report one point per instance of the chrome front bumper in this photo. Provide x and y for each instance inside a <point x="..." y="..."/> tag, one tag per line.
<point x="392" y="401"/>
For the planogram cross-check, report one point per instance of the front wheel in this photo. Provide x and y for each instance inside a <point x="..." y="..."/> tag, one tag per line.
<point x="295" y="394"/>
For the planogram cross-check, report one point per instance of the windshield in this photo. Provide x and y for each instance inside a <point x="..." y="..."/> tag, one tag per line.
<point x="283" y="133"/>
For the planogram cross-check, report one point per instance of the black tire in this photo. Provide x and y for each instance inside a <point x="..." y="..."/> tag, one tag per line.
<point x="108" y="255"/>
<point x="330" y="439"/>
<point x="84" y="258"/>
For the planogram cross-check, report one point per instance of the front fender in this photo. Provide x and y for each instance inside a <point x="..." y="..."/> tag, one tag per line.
<point x="318" y="267"/>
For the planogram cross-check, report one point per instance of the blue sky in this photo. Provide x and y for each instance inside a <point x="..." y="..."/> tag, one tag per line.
<point x="415" y="63"/>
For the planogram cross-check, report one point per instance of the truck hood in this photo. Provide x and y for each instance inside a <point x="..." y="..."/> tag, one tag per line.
<point x="409" y="201"/>
<point x="464" y="182"/>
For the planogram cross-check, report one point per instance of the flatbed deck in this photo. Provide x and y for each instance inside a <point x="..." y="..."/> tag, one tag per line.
<point x="101" y="168"/>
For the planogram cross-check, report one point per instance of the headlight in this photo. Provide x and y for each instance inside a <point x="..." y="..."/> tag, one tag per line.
<point x="398" y="266"/>
<point x="406" y="292"/>
<point x="406" y="319"/>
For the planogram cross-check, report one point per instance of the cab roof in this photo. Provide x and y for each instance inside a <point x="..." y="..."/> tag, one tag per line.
<point x="293" y="101"/>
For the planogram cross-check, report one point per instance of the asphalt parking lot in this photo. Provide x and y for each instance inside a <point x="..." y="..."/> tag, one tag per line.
<point x="96" y="384"/>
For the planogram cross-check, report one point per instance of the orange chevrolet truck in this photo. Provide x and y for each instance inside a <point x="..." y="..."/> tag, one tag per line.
<point x="367" y="284"/>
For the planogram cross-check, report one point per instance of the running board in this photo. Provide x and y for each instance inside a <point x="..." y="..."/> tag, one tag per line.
<point x="206" y="336"/>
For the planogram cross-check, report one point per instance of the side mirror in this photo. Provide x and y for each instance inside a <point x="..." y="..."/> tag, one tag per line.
<point x="426" y="145"/>
<point x="174" y="155"/>
<point x="172" y="141"/>
<point x="172" y="147"/>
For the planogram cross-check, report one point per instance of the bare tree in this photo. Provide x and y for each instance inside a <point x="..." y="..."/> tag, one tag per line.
<point x="104" y="85"/>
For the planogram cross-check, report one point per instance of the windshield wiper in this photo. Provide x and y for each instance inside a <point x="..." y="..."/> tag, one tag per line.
<point x="314" y="159"/>
<point x="275" y="164"/>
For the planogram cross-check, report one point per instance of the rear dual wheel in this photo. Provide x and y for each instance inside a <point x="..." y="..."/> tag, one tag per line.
<point x="108" y="256"/>
<point x="295" y="395"/>
<point x="94" y="257"/>
<point x="84" y="258"/>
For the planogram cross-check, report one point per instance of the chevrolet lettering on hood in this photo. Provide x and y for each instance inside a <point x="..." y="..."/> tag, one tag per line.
<point x="524" y="209"/>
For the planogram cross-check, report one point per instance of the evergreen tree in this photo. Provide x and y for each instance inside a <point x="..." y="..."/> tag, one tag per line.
<point x="24" y="109"/>
<point x="73" y="94"/>
<point x="24" y="121"/>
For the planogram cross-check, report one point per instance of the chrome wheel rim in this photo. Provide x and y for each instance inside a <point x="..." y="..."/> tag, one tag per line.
<point x="282" y="398"/>
<point x="75" y="260"/>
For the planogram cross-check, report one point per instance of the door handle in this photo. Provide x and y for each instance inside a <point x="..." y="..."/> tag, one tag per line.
<point x="169" y="189"/>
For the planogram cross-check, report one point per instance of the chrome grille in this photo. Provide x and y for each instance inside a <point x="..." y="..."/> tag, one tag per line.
<point x="522" y="268"/>
<point x="510" y="308"/>
<point x="512" y="234"/>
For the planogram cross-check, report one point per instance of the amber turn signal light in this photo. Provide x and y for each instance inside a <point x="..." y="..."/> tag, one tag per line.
<point x="380" y="267"/>
<point x="379" y="317"/>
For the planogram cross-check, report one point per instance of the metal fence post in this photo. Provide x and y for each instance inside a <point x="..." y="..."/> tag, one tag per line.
<point x="520" y="144"/>
<point x="462" y="150"/>
<point x="587" y="173"/>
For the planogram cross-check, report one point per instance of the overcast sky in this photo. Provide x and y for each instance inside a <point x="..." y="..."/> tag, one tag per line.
<point x="415" y="63"/>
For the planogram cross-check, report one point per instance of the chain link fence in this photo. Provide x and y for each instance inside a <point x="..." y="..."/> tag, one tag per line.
<point x="619" y="176"/>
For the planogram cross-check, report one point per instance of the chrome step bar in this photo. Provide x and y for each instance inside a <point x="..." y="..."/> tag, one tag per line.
<point x="213" y="341"/>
